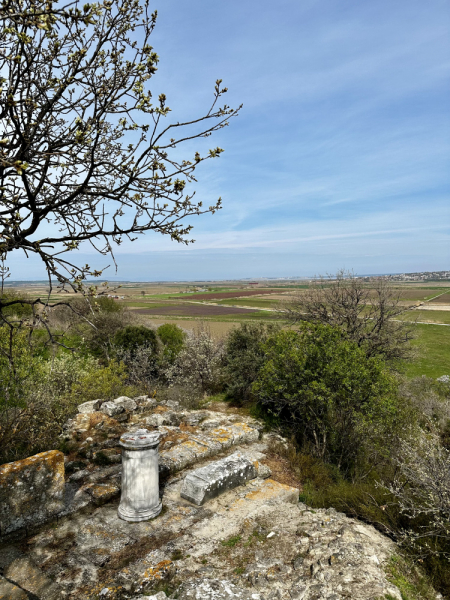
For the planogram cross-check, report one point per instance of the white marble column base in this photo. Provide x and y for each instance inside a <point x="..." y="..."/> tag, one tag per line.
<point x="133" y="516"/>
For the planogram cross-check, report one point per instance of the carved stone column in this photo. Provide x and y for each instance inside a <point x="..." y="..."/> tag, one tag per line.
<point x="140" y="476"/>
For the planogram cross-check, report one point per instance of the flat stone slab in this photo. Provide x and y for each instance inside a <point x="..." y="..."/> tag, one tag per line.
<point x="30" y="578"/>
<point x="219" y="476"/>
<point x="31" y="490"/>
<point x="9" y="591"/>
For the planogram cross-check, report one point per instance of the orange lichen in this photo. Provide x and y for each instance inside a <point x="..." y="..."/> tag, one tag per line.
<point x="52" y="459"/>
<point x="157" y="572"/>
<point x="195" y="446"/>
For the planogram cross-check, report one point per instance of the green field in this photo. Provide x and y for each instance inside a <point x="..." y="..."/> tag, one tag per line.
<point x="253" y="303"/>
<point x="433" y="345"/>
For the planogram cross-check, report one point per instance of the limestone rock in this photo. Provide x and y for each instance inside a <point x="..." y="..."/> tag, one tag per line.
<point x="112" y="409"/>
<point x="102" y="492"/>
<point x="89" y="407"/>
<point x="9" y="591"/>
<point x="31" y="490"/>
<point x="29" y="577"/>
<point x="217" y="477"/>
<point x="166" y="418"/>
<point x="215" y="589"/>
<point x="126" y="403"/>
<point x="263" y="471"/>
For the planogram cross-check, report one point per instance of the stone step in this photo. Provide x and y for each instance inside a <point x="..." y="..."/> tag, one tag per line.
<point x="9" y="591"/>
<point x="26" y="575"/>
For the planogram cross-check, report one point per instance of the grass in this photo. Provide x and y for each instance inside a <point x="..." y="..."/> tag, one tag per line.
<point x="232" y="541"/>
<point x="409" y="580"/>
<point x="429" y="316"/>
<point x="433" y="344"/>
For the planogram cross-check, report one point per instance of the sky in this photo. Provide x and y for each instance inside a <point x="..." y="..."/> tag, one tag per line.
<point x="340" y="157"/>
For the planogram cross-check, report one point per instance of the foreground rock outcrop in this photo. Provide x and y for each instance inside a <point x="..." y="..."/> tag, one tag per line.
<point x="255" y="541"/>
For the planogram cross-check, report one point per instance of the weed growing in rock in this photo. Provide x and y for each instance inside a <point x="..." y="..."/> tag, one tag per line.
<point x="232" y="541"/>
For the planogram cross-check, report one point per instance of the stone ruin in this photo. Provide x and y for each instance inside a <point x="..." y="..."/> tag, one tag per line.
<point x="227" y="529"/>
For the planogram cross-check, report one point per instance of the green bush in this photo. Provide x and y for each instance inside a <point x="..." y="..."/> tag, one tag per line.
<point x="36" y="397"/>
<point x="106" y="382"/>
<point x="133" y="336"/>
<point x="244" y="357"/>
<point x="17" y="367"/>
<point x="20" y="310"/>
<point x="339" y="404"/>
<point x="172" y="338"/>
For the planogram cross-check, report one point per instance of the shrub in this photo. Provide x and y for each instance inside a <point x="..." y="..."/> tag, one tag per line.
<point x="36" y="398"/>
<point x="106" y="382"/>
<point x="172" y="338"/>
<point x="131" y="337"/>
<point x="143" y="366"/>
<point x="340" y="404"/>
<point x="244" y="357"/>
<point x="431" y="399"/>
<point x="198" y="365"/>
<point x="422" y="490"/>
<point x="21" y="311"/>
<point x="95" y="321"/>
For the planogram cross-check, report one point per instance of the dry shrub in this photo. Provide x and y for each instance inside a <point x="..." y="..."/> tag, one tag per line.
<point x="198" y="364"/>
<point x="421" y="488"/>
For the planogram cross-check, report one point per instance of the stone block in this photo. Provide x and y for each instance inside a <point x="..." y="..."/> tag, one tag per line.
<point x="126" y="403"/>
<point x="89" y="407"/>
<point x="31" y="490"/>
<point x="9" y="591"/>
<point x="30" y="578"/>
<point x="102" y="492"/>
<point x="217" y="477"/>
<point x="112" y="409"/>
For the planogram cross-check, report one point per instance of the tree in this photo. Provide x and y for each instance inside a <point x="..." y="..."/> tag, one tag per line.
<point x="173" y="338"/>
<point x="244" y="357"/>
<point x="85" y="156"/>
<point x="339" y="404"/>
<point x="367" y="313"/>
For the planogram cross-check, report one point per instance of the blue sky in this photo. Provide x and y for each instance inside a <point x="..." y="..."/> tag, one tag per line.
<point x="340" y="156"/>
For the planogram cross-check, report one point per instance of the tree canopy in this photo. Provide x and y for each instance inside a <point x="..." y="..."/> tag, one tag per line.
<point x="87" y="155"/>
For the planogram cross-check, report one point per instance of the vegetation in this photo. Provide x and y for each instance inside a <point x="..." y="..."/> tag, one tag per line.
<point x="244" y="357"/>
<point x="130" y="338"/>
<point x="338" y="403"/>
<point x="365" y="439"/>
<point x="432" y="352"/>
<point x="86" y="155"/>
<point x="368" y="314"/>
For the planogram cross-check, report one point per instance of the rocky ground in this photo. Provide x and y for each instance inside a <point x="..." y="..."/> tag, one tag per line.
<point x="253" y="542"/>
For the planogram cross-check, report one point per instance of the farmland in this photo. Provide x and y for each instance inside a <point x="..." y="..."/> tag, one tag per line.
<point x="223" y="305"/>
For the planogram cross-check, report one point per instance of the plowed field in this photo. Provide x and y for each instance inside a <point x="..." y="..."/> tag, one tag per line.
<point x="444" y="299"/>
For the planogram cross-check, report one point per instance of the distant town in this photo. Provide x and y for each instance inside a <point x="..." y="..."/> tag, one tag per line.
<point x="419" y="276"/>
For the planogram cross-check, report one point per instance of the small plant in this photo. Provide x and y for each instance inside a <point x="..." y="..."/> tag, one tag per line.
<point x="239" y="570"/>
<point x="257" y="535"/>
<point x="101" y="459"/>
<point x="177" y="554"/>
<point x="232" y="541"/>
